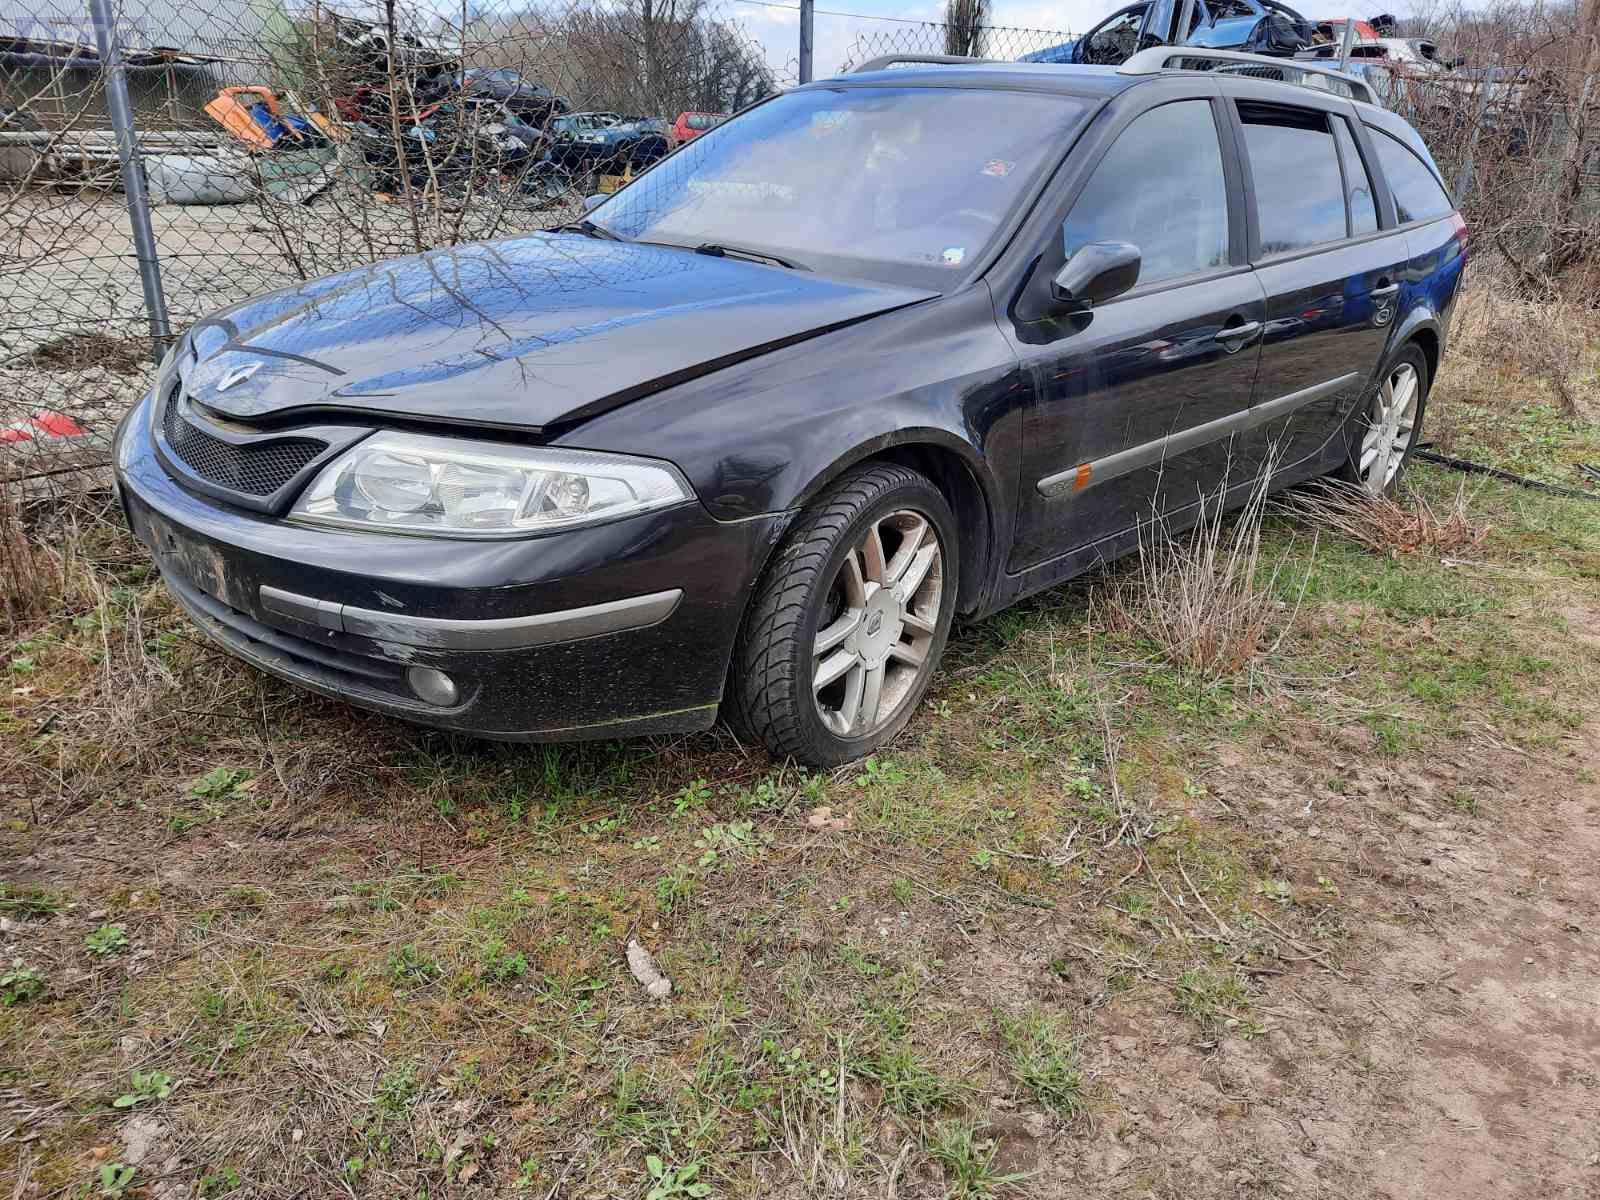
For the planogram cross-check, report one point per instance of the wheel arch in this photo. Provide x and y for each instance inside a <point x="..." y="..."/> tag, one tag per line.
<point x="1427" y="339"/>
<point x="1421" y="326"/>
<point x="959" y="472"/>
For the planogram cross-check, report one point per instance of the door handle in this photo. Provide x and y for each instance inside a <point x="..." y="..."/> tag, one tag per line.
<point x="1237" y="333"/>
<point x="1384" y="290"/>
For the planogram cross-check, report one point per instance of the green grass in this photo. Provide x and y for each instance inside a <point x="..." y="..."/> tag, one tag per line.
<point x="1041" y="1049"/>
<point x="1536" y="440"/>
<point x="910" y="1086"/>
<point x="968" y="1159"/>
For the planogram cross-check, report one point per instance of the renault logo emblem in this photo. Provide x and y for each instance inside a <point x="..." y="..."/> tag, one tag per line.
<point x="237" y="375"/>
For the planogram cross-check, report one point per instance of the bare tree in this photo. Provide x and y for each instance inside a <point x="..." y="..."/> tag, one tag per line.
<point x="965" y="21"/>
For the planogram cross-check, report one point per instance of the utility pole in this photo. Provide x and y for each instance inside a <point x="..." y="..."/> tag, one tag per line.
<point x="808" y="12"/>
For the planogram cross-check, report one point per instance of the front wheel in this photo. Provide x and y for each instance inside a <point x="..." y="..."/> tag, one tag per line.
<point x="1388" y="430"/>
<point x="849" y="620"/>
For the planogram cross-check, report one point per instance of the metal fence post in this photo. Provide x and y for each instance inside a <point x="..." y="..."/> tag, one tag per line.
<point x="808" y="11"/>
<point x="133" y="184"/>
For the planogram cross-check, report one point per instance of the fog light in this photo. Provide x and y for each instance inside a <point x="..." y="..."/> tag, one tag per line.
<point x="433" y="686"/>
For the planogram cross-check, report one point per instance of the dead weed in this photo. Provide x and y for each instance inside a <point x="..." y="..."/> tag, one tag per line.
<point x="1203" y="598"/>
<point x="1386" y="525"/>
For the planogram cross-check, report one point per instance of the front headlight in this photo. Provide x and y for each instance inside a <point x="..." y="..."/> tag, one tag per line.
<point x="451" y="487"/>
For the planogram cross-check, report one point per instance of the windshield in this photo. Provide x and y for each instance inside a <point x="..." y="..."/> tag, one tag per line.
<point x="854" y="179"/>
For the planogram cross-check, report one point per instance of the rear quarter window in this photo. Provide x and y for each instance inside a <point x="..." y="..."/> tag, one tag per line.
<point x="1418" y="194"/>
<point x="1358" y="186"/>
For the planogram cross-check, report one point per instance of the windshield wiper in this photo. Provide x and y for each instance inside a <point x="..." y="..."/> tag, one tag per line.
<point x="721" y="250"/>
<point x="593" y="229"/>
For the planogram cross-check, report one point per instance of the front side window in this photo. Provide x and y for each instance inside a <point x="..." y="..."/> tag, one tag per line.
<point x="1115" y="41"/>
<point x="1357" y="183"/>
<point x="1160" y="187"/>
<point x="1294" y="165"/>
<point x="854" y="179"/>
<point x="1418" y="194"/>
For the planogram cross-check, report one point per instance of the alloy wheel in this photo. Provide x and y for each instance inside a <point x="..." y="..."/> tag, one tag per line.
<point x="1389" y="429"/>
<point x="874" y="640"/>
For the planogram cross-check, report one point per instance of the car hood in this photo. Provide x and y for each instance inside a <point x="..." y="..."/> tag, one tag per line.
<point x="521" y="333"/>
<point x="1061" y="54"/>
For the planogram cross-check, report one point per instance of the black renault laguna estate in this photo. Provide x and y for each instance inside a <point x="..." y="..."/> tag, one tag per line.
<point x="881" y="350"/>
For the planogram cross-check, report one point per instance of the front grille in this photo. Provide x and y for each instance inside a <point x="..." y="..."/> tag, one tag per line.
<point x="259" y="469"/>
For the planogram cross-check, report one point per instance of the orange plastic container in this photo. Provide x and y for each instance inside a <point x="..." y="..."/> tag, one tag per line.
<point x="234" y="116"/>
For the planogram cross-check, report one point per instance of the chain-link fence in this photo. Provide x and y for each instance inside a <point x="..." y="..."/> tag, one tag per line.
<point x="869" y="39"/>
<point x="278" y="140"/>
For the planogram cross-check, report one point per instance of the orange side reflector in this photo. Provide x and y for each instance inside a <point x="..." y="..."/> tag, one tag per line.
<point x="1082" y="480"/>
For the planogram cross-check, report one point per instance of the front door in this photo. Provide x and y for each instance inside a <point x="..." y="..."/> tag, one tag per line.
<point x="1136" y="401"/>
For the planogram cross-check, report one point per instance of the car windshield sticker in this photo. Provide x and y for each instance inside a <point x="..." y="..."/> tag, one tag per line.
<point x="998" y="167"/>
<point x="953" y="255"/>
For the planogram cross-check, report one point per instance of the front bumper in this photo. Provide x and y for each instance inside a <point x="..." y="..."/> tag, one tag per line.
<point x="619" y="629"/>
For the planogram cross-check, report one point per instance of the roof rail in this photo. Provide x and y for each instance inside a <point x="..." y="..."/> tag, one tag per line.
<point x="1295" y="71"/>
<point x="890" y="60"/>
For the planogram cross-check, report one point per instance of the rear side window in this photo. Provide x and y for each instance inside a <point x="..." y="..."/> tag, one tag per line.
<point x="1418" y="194"/>
<point x="1357" y="183"/>
<point x="1294" y="165"/>
<point x="1160" y="187"/>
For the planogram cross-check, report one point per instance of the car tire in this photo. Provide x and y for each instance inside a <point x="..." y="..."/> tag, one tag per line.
<point x="1385" y="432"/>
<point x="849" y="619"/>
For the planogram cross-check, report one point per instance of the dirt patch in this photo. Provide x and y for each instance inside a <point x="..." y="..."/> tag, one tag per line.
<point x="1501" y="1027"/>
<point x="79" y="351"/>
<point x="1461" y="1056"/>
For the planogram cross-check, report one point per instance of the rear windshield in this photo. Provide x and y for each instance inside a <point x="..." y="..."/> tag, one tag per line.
<point x="701" y="121"/>
<point x="866" y="180"/>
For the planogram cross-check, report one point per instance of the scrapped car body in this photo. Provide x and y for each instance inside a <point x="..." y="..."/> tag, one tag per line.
<point x="691" y="125"/>
<point x="1251" y="26"/>
<point x="599" y="143"/>
<point x="1417" y="55"/>
<point x="722" y="447"/>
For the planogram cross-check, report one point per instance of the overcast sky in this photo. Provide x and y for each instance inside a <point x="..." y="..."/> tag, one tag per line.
<point x="837" y="37"/>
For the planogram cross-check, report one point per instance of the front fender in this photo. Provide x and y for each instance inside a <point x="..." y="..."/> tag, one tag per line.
<point x="766" y="436"/>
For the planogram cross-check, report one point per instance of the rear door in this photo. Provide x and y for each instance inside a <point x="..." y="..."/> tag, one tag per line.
<point x="1330" y="269"/>
<point x="1134" y="402"/>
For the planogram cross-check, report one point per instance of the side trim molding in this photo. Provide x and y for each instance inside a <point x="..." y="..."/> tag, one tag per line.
<point x="1086" y="475"/>
<point x="504" y="633"/>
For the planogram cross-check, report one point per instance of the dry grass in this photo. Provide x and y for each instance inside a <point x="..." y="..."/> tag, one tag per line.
<point x="1386" y="525"/>
<point x="1548" y="341"/>
<point x="1203" y="597"/>
<point x="30" y="573"/>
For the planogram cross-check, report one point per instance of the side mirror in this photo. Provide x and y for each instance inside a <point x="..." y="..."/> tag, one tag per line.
<point x="590" y="203"/>
<point x="1098" y="272"/>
